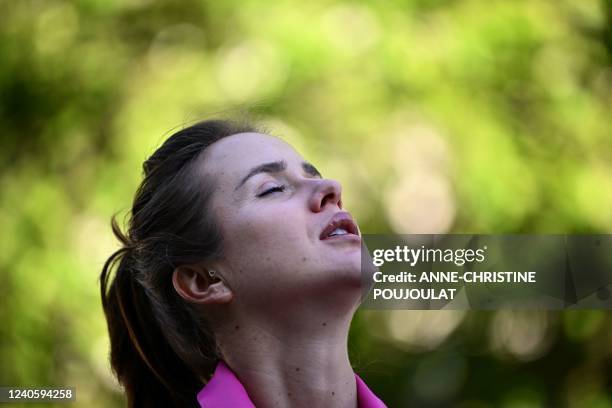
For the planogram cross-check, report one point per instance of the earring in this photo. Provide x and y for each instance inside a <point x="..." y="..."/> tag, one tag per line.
<point x="211" y="273"/>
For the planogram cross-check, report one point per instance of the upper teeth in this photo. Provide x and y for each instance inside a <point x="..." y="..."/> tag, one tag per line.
<point x="338" y="231"/>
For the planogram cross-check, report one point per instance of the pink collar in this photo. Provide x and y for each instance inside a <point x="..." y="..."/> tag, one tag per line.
<point x="225" y="391"/>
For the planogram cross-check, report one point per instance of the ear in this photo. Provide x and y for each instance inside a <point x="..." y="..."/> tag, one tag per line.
<point x="193" y="284"/>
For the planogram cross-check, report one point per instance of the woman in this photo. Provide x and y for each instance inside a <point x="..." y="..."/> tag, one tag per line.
<point x="239" y="262"/>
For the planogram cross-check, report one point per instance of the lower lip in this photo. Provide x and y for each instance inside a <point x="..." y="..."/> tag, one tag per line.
<point x="342" y="238"/>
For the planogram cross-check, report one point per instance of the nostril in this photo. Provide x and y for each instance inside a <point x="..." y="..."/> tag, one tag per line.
<point x="332" y="195"/>
<point x="327" y="198"/>
<point x="325" y="192"/>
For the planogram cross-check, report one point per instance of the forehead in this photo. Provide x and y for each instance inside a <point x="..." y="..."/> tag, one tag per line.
<point x="235" y="155"/>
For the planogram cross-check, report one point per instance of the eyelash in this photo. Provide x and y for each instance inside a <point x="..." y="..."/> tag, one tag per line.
<point x="271" y="190"/>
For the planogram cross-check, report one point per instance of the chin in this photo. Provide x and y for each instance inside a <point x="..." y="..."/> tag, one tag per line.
<point x="346" y="275"/>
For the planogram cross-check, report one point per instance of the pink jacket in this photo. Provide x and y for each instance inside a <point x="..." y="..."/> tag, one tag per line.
<point x="224" y="390"/>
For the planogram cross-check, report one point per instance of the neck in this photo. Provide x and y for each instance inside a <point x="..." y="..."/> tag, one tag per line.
<point x="297" y="361"/>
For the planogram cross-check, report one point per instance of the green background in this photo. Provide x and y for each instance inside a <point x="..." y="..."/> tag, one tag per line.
<point x="436" y="116"/>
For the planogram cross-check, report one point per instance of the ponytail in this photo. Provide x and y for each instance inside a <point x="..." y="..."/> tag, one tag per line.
<point x="162" y="350"/>
<point x="152" y="374"/>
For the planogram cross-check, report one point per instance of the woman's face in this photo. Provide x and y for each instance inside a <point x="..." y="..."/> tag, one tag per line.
<point x="272" y="207"/>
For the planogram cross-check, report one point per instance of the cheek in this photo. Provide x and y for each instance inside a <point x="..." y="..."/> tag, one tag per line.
<point x="266" y="252"/>
<point x="266" y="235"/>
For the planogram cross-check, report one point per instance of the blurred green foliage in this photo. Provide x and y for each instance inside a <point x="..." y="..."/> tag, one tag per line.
<point x="436" y="115"/>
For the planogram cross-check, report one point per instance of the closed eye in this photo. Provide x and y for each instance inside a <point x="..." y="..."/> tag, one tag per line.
<point x="272" y="190"/>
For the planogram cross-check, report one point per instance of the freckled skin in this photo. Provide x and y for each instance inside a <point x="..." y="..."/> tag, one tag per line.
<point x="266" y="235"/>
<point x="283" y="279"/>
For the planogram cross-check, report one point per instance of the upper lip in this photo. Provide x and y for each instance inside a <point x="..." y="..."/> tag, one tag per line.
<point x="342" y="220"/>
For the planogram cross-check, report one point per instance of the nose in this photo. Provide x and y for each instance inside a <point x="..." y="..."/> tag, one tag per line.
<point x="326" y="192"/>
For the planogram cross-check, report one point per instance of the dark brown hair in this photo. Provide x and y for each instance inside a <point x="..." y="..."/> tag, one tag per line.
<point x="161" y="349"/>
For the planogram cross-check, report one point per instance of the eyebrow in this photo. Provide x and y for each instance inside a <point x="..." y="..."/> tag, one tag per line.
<point x="277" y="167"/>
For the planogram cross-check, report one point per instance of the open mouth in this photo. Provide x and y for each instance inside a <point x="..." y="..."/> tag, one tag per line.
<point x="341" y="224"/>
